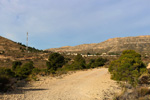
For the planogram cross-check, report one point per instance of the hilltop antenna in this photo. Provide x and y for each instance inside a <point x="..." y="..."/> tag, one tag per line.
<point x="27" y="42"/>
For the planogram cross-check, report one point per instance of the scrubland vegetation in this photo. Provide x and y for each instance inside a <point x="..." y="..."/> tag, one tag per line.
<point x="129" y="70"/>
<point x="131" y="73"/>
<point x="128" y="67"/>
<point x="57" y="64"/>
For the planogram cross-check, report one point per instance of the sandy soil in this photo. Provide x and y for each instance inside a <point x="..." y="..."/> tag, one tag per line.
<point x="92" y="84"/>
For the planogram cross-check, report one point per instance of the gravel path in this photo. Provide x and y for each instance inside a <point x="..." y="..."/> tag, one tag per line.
<point x="92" y="84"/>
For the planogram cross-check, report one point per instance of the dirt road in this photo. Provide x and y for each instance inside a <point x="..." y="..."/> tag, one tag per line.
<point x="92" y="84"/>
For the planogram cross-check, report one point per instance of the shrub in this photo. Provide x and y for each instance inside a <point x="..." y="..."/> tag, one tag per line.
<point x="25" y="70"/>
<point x="55" y="61"/>
<point x="91" y="64"/>
<point x="79" y="63"/>
<point x="6" y="72"/>
<point x="61" y="71"/>
<point x="97" y="63"/>
<point x="36" y="71"/>
<point x="128" y="67"/>
<point x="76" y="66"/>
<point x="5" y="79"/>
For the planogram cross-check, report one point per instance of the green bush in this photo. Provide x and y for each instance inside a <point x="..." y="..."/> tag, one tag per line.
<point x="97" y="62"/>
<point x="6" y="72"/>
<point x="55" y="61"/>
<point x="79" y="63"/>
<point x="36" y="71"/>
<point x="128" y="67"/>
<point x="5" y="78"/>
<point x="5" y="75"/>
<point x="76" y="66"/>
<point x="33" y="74"/>
<point x="91" y="64"/>
<point x="25" y="70"/>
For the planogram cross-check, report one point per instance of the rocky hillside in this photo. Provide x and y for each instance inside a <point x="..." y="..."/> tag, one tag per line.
<point x="10" y="48"/>
<point x="8" y="45"/>
<point x="11" y="51"/>
<point x="115" y="45"/>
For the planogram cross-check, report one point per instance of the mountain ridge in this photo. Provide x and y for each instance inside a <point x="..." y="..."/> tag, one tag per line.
<point x="118" y="44"/>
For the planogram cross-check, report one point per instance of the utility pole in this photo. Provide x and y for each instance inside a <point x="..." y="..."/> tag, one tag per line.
<point x="27" y="43"/>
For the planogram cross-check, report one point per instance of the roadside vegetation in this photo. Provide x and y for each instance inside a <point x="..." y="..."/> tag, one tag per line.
<point x="57" y="64"/>
<point x="129" y="70"/>
<point x="128" y="67"/>
<point x="18" y="71"/>
<point x="131" y="73"/>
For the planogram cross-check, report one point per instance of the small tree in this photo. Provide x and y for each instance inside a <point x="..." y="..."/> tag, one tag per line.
<point x="25" y="70"/>
<point x="55" y="61"/>
<point x="128" y="67"/>
<point x="79" y="63"/>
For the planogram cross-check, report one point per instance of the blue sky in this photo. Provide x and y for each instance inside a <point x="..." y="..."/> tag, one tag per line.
<point x="56" y="23"/>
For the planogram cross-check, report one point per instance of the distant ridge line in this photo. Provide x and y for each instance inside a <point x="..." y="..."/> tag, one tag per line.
<point x="138" y="43"/>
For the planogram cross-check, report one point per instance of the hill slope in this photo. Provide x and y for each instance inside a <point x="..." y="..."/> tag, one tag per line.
<point x="139" y="43"/>
<point x="11" y="51"/>
<point x="7" y="45"/>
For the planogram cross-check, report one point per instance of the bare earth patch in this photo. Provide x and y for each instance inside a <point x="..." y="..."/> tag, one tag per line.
<point x="92" y="84"/>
